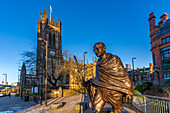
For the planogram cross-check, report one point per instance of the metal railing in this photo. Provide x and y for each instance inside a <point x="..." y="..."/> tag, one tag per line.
<point x="151" y="104"/>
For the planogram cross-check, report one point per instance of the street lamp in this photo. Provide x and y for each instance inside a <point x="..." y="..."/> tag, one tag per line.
<point x="19" y="82"/>
<point x="84" y="68"/>
<point x="40" y="39"/>
<point x="41" y="75"/>
<point x="41" y="82"/>
<point x="133" y="69"/>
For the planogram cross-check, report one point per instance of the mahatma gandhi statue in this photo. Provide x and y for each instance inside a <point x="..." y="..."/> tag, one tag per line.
<point x="111" y="83"/>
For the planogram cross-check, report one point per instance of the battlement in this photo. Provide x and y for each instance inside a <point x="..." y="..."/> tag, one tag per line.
<point x="43" y="19"/>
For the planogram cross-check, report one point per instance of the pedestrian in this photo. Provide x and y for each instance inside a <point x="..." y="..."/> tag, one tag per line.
<point x="9" y="95"/>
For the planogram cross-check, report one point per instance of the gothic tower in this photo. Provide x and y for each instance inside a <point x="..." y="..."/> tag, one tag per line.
<point x="51" y="32"/>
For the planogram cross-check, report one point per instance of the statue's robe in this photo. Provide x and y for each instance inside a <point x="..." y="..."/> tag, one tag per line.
<point x="111" y="75"/>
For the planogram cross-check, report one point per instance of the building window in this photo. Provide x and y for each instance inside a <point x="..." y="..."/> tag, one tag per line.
<point x="27" y="82"/>
<point x="54" y="40"/>
<point x="167" y="74"/>
<point x="165" y="54"/>
<point x="33" y="82"/>
<point x="164" y="40"/>
<point x="57" y="43"/>
<point x="49" y="41"/>
<point x="154" y="60"/>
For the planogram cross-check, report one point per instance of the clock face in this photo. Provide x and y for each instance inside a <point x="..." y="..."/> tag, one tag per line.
<point x="52" y="53"/>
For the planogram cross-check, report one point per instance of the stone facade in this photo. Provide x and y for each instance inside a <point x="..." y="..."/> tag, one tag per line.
<point x="51" y="32"/>
<point x="27" y="81"/>
<point x="160" y="47"/>
<point x="75" y="80"/>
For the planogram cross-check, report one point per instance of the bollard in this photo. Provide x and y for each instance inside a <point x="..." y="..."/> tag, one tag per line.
<point x="81" y="106"/>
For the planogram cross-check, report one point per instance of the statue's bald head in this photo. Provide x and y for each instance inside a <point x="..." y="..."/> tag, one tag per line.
<point x="101" y="44"/>
<point x="99" y="49"/>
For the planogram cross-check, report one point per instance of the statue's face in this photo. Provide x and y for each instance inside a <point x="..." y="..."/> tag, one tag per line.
<point x="99" y="50"/>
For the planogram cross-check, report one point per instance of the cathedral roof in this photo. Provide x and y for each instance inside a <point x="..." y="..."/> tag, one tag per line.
<point x="164" y="29"/>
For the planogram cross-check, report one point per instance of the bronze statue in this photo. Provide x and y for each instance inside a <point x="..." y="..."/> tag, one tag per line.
<point x="111" y="83"/>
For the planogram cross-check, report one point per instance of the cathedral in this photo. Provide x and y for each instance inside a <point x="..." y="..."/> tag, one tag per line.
<point x="51" y="33"/>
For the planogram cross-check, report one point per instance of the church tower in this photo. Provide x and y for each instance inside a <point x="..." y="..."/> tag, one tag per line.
<point x="51" y="32"/>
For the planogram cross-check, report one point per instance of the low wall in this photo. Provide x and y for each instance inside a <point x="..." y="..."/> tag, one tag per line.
<point x="62" y="92"/>
<point x="139" y="103"/>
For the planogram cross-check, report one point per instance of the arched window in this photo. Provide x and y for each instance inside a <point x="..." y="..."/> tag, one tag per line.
<point x="49" y="41"/>
<point x="54" y="40"/>
<point x="154" y="60"/>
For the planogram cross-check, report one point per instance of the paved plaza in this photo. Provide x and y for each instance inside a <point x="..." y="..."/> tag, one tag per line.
<point x="69" y="107"/>
<point x="13" y="104"/>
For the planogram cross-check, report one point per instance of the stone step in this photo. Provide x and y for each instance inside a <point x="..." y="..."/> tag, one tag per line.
<point x="57" y="105"/>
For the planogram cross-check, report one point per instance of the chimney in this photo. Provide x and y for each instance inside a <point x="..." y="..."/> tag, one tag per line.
<point x="163" y="18"/>
<point x="151" y="21"/>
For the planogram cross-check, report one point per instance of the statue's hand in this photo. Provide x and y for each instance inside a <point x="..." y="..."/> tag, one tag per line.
<point x="128" y="99"/>
<point x="85" y="83"/>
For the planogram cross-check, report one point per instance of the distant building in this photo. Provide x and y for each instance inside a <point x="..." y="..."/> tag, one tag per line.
<point x="128" y="67"/>
<point x="51" y="32"/>
<point x="5" y="89"/>
<point x="160" y="47"/>
<point x="72" y="83"/>
<point x="15" y="87"/>
<point x="27" y="81"/>
<point x="15" y="84"/>
<point x="90" y="72"/>
<point x="140" y="75"/>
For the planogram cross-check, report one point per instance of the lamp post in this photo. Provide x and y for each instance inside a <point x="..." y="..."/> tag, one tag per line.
<point x="40" y="39"/>
<point x="19" y="82"/>
<point x="133" y="80"/>
<point x="41" y="76"/>
<point x="84" y="68"/>
<point x="41" y="83"/>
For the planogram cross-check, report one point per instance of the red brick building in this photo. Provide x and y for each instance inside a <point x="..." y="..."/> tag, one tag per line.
<point x="160" y="47"/>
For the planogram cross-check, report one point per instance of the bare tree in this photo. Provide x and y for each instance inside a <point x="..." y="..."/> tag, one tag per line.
<point x="71" y="68"/>
<point x="29" y="58"/>
<point x="58" y="71"/>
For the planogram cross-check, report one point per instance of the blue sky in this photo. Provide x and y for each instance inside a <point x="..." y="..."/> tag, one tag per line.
<point x="121" y="24"/>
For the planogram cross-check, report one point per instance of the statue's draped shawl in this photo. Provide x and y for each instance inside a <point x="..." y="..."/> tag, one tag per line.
<point x="111" y="74"/>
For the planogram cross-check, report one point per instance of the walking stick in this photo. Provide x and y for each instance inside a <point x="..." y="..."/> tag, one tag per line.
<point x="78" y="68"/>
<point x="80" y="73"/>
